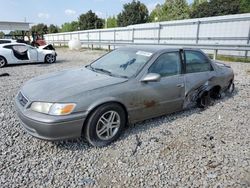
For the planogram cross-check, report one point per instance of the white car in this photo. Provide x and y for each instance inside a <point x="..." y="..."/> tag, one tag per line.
<point x="15" y="53"/>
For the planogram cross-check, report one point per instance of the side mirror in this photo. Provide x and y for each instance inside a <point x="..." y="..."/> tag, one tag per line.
<point x="151" y="77"/>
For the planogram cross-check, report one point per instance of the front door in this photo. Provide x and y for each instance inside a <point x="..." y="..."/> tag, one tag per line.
<point x="165" y="96"/>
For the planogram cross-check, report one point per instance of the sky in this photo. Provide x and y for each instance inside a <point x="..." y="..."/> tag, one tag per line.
<point x="60" y="11"/>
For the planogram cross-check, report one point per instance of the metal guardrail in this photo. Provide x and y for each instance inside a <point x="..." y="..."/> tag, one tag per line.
<point x="214" y="47"/>
<point x="200" y="34"/>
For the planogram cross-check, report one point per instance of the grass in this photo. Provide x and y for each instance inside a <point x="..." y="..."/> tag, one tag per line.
<point x="231" y="58"/>
<point x="219" y="57"/>
<point x="248" y="71"/>
<point x="63" y="46"/>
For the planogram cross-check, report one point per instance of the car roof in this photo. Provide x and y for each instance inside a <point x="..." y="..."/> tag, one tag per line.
<point x="155" y="48"/>
<point x="8" y="39"/>
<point x="13" y="43"/>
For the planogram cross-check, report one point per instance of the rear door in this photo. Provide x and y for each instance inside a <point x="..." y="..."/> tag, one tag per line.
<point x="198" y="69"/>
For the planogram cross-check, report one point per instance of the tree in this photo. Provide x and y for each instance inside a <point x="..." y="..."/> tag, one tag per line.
<point x="1" y="34"/>
<point x="176" y="9"/>
<point x="133" y="13"/>
<point x="111" y="22"/>
<point x="201" y="10"/>
<point x="71" y="26"/>
<point x="171" y="10"/>
<point x="216" y="8"/>
<point x="197" y="3"/>
<point x="40" y="29"/>
<point x="17" y="32"/>
<point x="90" y="20"/>
<point x="53" y="29"/>
<point x="157" y="14"/>
<point x="245" y="6"/>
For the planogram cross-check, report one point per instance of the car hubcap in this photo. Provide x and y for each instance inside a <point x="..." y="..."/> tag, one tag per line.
<point x="108" y="125"/>
<point x="2" y="62"/>
<point x="50" y="58"/>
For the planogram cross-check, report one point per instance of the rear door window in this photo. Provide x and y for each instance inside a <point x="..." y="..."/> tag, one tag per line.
<point x="196" y="62"/>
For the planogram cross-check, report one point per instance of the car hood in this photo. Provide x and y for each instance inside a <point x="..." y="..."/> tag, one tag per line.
<point x="62" y="86"/>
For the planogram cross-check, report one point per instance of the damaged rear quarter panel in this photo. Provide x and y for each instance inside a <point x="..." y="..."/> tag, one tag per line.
<point x="197" y="83"/>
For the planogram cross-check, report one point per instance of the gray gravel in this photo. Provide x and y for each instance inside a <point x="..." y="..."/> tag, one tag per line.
<point x="196" y="148"/>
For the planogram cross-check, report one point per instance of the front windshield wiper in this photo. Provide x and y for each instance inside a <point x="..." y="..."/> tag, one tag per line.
<point x="102" y="70"/>
<point x="106" y="71"/>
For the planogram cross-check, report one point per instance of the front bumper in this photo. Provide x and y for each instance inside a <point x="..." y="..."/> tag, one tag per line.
<point x="48" y="127"/>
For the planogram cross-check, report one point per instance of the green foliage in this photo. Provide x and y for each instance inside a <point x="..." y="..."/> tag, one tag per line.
<point x="90" y="20"/>
<point x="40" y="29"/>
<point x="111" y="22"/>
<point x="197" y="3"/>
<point x="1" y="34"/>
<point x="18" y="33"/>
<point x="218" y="8"/>
<point x="133" y="13"/>
<point x="170" y="10"/>
<point x="157" y="14"/>
<point x="68" y="27"/>
<point x="245" y="6"/>
<point x="53" y="29"/>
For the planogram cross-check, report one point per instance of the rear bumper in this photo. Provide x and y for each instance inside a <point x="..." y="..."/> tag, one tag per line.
<point x="49" y="129"/>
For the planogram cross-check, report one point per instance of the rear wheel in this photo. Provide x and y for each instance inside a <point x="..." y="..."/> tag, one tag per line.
<point x="105" y="125"/>
<point x="3" y="62"/>
<point x="204" y="100"/>
<point x="50" y="58"/>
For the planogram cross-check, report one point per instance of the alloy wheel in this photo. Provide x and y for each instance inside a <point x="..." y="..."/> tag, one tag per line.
<point x="2" y="62"/>
<point x="50" y="58"/>
<point x="108" y="125"/>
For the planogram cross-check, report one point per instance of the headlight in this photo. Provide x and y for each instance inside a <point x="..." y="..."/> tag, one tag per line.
<point x="53" y="108"/>
<point x="41" y="107"/>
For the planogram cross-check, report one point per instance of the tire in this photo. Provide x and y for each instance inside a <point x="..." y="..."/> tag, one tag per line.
<point x="50" y="58"/>
<point x="230" y="88"/>
<point x="204" y="100"/>
<point x="3" y="62"/>
<point x="99" y="130"/>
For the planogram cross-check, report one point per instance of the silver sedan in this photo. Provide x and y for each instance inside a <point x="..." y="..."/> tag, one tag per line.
<point x="125" y="86"/>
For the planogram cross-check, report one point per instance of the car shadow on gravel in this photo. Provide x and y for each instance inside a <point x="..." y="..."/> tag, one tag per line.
<point x="72" y="144"/>
<point x="157" y="121"/>
<point x="40" y="64"/>
<point x="135" y="129"/>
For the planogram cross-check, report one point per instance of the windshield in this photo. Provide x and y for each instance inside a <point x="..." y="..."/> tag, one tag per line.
<point x="121" y="62"/>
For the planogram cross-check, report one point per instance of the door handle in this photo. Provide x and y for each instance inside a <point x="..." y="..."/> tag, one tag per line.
<point x="180" y="85"/>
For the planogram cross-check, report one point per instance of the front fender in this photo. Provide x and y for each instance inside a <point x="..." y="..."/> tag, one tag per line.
<point x="103" y="101"/>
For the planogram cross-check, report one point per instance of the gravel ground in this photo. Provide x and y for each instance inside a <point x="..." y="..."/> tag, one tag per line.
<point x="192" y="148"/>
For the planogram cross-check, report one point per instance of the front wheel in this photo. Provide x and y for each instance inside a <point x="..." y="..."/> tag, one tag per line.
<point x="50" y="58"/>
<point x="3" y="62"/>
<point x="230" y="88"/>
<point x="105" y="125"/>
